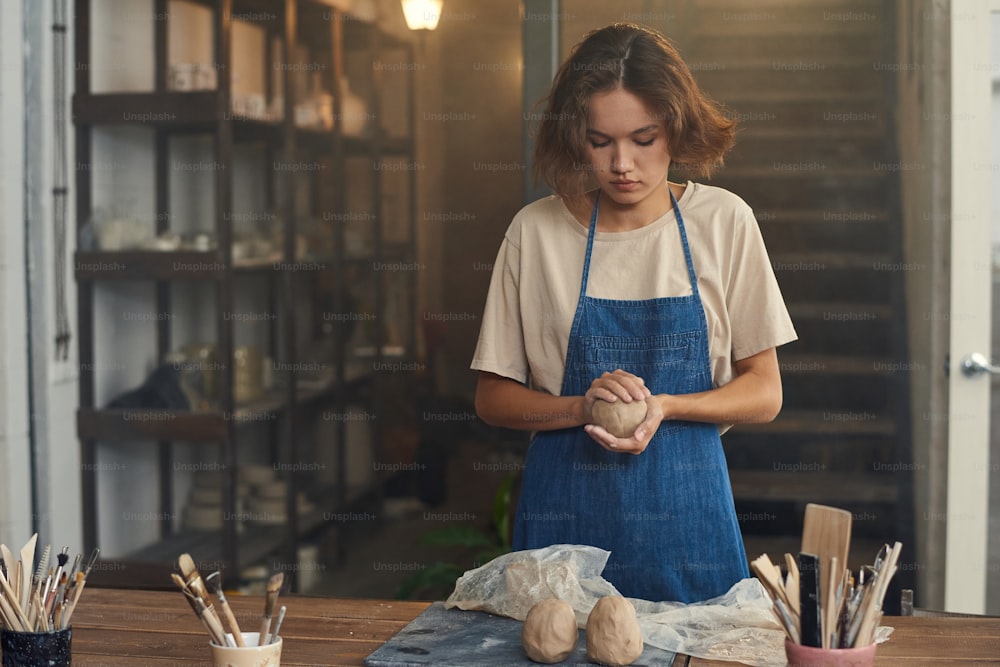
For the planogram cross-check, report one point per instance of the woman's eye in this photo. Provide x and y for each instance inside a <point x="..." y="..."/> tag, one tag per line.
<point x="599" y="144"/>
<point x="645" y="142"/>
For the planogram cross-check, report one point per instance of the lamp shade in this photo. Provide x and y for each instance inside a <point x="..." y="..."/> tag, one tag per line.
<point x="422" y="14"/>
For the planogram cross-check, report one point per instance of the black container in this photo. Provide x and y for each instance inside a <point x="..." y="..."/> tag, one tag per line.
<point x="36" y="649"/>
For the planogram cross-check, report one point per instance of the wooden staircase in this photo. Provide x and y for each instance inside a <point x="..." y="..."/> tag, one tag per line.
<point x="811" y="82"/>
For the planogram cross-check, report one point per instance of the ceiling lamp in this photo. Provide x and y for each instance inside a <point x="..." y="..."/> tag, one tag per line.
<point x="422" y="14"/>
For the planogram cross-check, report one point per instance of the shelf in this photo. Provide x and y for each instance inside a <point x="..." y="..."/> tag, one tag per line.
<point x="181" y="110"/>
<point x="148" y="265"/>
<point x="261" y="163"/>
<point x="203" y="426"/>
<point x="150" y="566"/>
<point x="118" y="425"/>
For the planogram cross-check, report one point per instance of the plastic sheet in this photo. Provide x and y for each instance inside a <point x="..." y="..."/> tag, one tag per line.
<point x="737" y="626"/>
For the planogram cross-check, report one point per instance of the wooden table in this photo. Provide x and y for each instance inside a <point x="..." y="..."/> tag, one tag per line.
<point x="122" y="628"/>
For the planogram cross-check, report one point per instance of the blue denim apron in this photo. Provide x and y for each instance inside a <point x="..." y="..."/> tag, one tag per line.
<point x="666" y="515"/>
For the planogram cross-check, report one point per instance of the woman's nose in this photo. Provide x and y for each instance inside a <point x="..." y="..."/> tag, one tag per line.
<point x="621" y="160"/>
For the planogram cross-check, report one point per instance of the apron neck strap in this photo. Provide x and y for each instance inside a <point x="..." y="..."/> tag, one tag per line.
<point x="592" y="232"/>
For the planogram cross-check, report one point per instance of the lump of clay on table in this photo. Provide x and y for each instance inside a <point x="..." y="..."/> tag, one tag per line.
<point x="549" y="634"/>
<point x="613" y="634"/>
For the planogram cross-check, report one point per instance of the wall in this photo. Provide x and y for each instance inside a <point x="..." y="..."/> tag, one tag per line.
<point x="37" y="389"/>
<point x="15" y="488"/>
<point x="479" y="115"/>
<point x="924" y="138"/>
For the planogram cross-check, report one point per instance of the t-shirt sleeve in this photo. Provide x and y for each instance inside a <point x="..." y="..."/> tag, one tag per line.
<point x="758" y="316"/>
<point x="501" y="349"/>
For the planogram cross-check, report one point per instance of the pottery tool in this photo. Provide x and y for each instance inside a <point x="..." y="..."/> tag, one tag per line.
<point x="277" y="626"/>
<point x="14" y="603"/>
<point x="792" y="583"/>
<point x="70" y="606"/>
<point x="42" y="569"/>
<point x="770" y="576"/>
<point x="197" y="586"/>
<point x="830" y="610"/>
<point x="26" y="564"/>
<point x="227" y="611"/>
<point x="872" y="607"/>
<point x="270" y="601"/>
<point x="809" y="600"/>
<point x="49" y="598"/>
<point x="10" y="619"/>
<point x="826" y="532"/>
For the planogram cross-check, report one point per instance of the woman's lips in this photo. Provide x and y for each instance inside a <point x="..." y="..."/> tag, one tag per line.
<point x="624" y="186"/>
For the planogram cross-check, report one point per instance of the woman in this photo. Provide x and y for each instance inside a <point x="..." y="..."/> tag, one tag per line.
<point x="624" y="286"/>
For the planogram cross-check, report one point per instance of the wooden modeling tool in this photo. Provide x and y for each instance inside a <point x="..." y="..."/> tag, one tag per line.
<point x="273" y="589"/>
<point x="27" y="563"/>
<point x="826" y="532"/>
<point x="792" y="583"/>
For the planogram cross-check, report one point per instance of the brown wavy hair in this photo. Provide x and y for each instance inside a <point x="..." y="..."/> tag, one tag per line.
<point x="647" y="64"/>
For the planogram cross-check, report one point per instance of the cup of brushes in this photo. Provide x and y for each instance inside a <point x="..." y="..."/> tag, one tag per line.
<point x="829" y="615"/>
<point x="37" y="605"/>
<point x="232" y="647"/>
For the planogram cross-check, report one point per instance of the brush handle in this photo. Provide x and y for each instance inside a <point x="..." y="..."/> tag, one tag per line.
<point x="10" y="618"/>
<point x="216" y="626"/>
<point x="71" y="605"/>
<point x="265" y="627"/>
<point x="15" y="605"/>
<point x="227" y="611"/>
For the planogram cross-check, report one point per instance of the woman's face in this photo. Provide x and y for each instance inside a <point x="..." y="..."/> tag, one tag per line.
<point x="627" y="150"/>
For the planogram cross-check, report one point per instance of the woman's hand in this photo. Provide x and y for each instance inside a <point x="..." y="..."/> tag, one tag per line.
<point x="620" y="385"/>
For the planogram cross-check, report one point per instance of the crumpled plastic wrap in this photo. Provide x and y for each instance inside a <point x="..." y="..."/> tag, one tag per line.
<point x="737" y="626"/>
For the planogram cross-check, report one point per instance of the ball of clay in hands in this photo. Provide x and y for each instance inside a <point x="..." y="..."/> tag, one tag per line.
<point x="613" y="634"/>
<point x="619" y="418"/>
<point x="549" y="634"/>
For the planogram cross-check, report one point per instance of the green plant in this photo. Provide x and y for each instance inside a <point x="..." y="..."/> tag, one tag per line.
<point x="437" y="580"/>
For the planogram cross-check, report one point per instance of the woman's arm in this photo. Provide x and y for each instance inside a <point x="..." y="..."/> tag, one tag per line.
<point x="504" y="402"/>
<point x="753" y="396"/>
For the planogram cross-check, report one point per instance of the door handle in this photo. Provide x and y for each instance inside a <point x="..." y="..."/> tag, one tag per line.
<point x="976" y="364"/>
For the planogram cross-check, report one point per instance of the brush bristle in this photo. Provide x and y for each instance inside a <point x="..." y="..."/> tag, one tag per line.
<point x="186" y="563"/>
<point x="62" y="558"/>
<point x="275" y="582"/>
<point x="43" y="563"/>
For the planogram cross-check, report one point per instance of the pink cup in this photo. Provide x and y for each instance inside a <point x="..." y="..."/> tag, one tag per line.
<point x="810" y="656"/>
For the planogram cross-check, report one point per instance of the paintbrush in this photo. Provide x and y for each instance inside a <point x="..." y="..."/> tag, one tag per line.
<point x="273" y="588"/>
<point x="197" y="585"/>
<point x="227" y="611"/>
<point x="211" y="624"/>
<point x="277" y="626"/>
<point x="50" y="598"/>
<point x="70" y="606"/>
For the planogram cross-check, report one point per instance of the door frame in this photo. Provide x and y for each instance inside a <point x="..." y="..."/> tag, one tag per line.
<point x="967" y="515"/>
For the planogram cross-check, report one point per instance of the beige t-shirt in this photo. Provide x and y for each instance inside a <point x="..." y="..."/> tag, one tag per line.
<point x="536" y="283"/>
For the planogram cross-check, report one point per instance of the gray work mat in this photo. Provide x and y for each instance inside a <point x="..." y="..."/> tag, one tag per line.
<point x="456" y="638"/>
